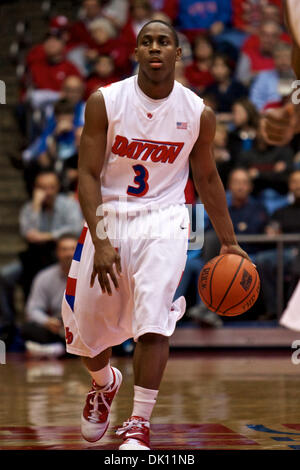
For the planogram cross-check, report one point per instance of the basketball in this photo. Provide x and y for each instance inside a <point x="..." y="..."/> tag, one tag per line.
<point x="229" y="285"/>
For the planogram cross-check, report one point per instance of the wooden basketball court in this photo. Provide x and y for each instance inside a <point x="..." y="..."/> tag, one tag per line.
<point x="221" y="400"/>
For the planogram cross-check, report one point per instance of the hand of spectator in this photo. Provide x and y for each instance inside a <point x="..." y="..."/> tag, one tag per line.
<point x="234" y="250"/>
<point x="253" y="173"/>
<point x="279" y="166"/>
<point x="216" y="28"/>
<point x="63" y="125"/>
<point x="279" y="125"/>
<point x="91" y="54"/>
<point x="38" y="199"/>
<point x="54" y="325"/>
<point x="35" y="236"/>
<point x="272" y="229"/>
<point x="104" y="260"/>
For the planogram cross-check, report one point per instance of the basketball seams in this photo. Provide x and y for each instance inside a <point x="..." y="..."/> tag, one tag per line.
<point x="211" y="277"/>
<point x="243" y="300"/>
<point x="231" y="284"/>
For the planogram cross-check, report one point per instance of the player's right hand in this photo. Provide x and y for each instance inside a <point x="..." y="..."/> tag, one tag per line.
<point x="105" y="258"/>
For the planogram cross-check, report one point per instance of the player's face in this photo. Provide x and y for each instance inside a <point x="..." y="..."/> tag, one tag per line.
<point x="157" y="52"/>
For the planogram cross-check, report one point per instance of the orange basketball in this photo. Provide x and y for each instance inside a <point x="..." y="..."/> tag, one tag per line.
<point x="229" y="285"/>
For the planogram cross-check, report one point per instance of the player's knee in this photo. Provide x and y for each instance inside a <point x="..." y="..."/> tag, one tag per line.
<point x="148" y="338"/>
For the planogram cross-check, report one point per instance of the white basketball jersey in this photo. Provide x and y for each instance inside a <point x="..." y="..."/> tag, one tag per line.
<point x="148" y="144"/>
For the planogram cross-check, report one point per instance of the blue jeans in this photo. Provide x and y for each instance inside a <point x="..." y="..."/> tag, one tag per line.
<point x="190" y="275"/>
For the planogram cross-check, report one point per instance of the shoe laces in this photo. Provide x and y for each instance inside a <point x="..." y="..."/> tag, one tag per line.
<point x="132" y="424"/>
<point x="96" y="399"/>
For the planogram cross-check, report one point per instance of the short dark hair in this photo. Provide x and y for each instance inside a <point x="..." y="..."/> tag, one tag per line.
<point x="67" y="236"/>
<point x="173" y="31"/>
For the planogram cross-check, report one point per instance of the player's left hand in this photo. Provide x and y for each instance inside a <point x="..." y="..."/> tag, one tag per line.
<point x="234" y="250"/>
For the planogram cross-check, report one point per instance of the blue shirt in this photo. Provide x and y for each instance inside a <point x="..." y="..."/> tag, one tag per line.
<point x="202" y="14"/>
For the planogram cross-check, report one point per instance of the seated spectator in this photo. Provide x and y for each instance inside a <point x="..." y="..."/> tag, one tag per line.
<point x="50" y="72"/>
<point x="114" y="10"/>
<point x="140" y="14"/>
<point x="285" y="220"/>
<point x="103" y="74"/>
<point x="273" y="86"/>
<point x="260" y="58"/>
<point x="247" y="15"/>
<point x="202" y="16"/>
<point x="43" y="331"/>
<point x="106" y="41"/>
<point x="268" y="166"/>
<point x="245" y="119"/>
<point x="59" y="151"/>
<point x="221" y="153"/>
<point x="42" y="221"/>
<point x="225" y="88"/>
<point x="248" y="217"/>
<point x="199" y="74"/>
<point x="72" y="90"/>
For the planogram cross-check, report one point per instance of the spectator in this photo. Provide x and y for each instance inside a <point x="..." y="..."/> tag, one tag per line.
<point x="201" y="16"/>
<point x="106" y="41"/>
<point x="285" y="220"/>
<point x="61" y="153"/>
<point x="140" y="14"/>
<point x="50" y="72"/>
<point x="260" y="58"/>
<point x="43" y="331"/>
<point x="221" y="153"/>
<point x="42" y="221"/>
<point x="248" y="217"/>
<point x="103" y="74"/>
<point x="225" y="89"/>
<point x="114" y="10"/>
<point x="245" y="119"/>
<point x="272" y="86"/>
<point x="72" y="90"/>
<point x="268" y="166"/>
<point x="199" y="73"/>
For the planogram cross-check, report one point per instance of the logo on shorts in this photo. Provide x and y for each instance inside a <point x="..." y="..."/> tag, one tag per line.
<point x="246" y="280"/>
<point x="156" y="151"/>
<point x="69" y="336"/>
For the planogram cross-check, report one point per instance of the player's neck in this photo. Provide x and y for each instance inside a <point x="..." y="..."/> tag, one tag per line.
<point x="156" y="91"/>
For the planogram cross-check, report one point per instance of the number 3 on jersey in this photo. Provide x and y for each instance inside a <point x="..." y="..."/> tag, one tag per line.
<point x="140" y="179"/>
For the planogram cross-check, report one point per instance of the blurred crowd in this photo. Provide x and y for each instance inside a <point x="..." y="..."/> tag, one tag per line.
<point x="236" y="55"/>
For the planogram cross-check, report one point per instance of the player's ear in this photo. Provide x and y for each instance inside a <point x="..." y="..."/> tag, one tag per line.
<point x="135" y="54"/>
<point x="178" y="53"/>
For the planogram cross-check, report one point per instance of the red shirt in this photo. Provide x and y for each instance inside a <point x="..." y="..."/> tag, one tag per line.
<point x="47" y="76"/>
<point x="94" y="82"/>
<point x="198" y="78"/>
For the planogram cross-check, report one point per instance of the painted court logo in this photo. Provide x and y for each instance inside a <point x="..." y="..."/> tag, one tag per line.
<point x="139" y="149"/>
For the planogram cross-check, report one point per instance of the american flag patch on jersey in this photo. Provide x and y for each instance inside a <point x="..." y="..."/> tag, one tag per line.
<point x="181" y="125"/>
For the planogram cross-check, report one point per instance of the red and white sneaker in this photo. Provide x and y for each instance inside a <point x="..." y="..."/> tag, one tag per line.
<point x="95" y="416"/>
<point x="135" y="433"/>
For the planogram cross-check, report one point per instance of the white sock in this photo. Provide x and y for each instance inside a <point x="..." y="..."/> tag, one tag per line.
<point x="102" y="377"/>
<point x="143" y="402"/>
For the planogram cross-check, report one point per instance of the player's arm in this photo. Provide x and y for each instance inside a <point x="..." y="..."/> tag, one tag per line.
<point x="279" y="125"/>
<point x="90" y="164"/>
<point x="209" y="185"/>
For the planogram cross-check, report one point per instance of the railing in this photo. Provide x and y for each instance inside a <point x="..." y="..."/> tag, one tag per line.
<point x="280" y="241"/>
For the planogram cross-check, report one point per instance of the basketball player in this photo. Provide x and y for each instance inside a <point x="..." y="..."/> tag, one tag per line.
<point x="139" y="135"/>
<point x="280" y="125"/>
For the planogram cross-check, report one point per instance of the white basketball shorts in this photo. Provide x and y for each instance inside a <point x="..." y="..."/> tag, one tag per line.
<point x="152" y="265"/>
